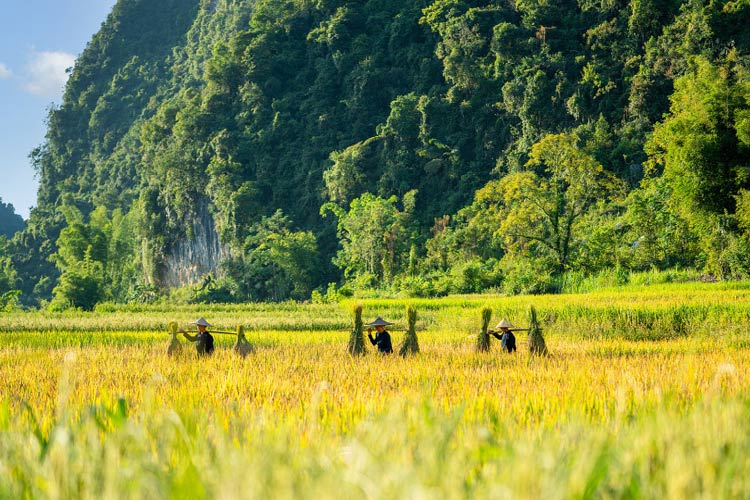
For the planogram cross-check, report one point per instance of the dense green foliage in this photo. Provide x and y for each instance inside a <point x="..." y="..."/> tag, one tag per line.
<point x="10" y="221"/>
<point x="10" y="224"/>
<point x="459" y="146"/>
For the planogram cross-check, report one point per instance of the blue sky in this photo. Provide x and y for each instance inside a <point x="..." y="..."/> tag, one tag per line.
<point x="38" y="40"/>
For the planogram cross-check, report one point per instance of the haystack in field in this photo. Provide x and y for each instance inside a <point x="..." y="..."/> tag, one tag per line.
<point x="536" y="339"/>
<point x="357" y="339"/>
<point x="242" y="347"/>
<point x="410" y="345"/>
<point x="483" y="340"/>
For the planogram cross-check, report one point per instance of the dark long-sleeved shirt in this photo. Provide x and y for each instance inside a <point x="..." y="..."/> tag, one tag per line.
<point x="204" y="342"/>
<point x="507" y="339"/>
<point x="383" y="341"/>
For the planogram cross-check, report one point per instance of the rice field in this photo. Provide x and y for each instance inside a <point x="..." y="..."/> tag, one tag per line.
<point x="645" y="394"/>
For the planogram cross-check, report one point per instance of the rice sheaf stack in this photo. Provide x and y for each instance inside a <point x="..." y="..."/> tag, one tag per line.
<point x="537" y="345"/>
<point x="356" y="339"/>
<point x="174" y="347"/>
<point x="410" y="345"/>
<point x="483" y="340"/>
<point x="242" y="347"/>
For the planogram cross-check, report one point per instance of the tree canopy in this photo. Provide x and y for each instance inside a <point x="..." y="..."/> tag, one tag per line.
<point x="462" y="146"/>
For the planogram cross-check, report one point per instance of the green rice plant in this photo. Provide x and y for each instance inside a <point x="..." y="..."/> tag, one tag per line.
<point x="483" y="339"/>
<point x="356" y="345"/>
<point x="410" y="344"/>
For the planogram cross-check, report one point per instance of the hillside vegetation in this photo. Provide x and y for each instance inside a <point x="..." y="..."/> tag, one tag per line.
<point x="260" y="150"/>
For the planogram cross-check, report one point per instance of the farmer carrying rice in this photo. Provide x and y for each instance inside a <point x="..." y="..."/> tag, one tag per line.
<point x="204" y="341"/>
<point x="505" y="336"/>
<point x="382" y="338"/>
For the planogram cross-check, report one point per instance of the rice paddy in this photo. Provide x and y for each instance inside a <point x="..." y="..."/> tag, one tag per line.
<point x="645" y="393"/>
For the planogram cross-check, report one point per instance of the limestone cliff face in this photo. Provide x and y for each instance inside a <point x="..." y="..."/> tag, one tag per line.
<point x="199" y="253"/>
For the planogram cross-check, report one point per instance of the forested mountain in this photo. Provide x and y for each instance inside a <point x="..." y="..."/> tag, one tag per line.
<point x="260" y="149"/>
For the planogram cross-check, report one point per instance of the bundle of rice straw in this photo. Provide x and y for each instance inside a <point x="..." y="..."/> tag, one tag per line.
<point x="536" y="339"/>
<point x="356" y="339"/>
<point x="483" y="340"/>
<point x="174" y="347"/>
<point x="243" y="347"/>
<point x="410" y="345"/>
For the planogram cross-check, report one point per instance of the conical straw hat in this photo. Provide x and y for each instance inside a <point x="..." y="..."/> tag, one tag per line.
<point x="504" y="323"/>
<point x="200" y="321"/>
<point x="379" y="322"/>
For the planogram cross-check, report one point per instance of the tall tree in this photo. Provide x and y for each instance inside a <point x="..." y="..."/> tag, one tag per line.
<point x="373" y="238"/>
<point x="545" y="204"/>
